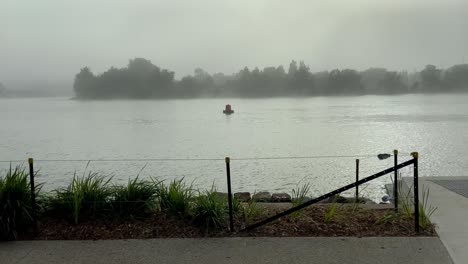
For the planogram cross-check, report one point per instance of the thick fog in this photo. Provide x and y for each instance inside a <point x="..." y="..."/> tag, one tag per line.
<point x="46" y="43"/>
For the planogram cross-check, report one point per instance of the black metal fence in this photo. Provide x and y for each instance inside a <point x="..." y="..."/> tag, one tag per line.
<point x="395" y="168"/>
<point x="356" y="184"/>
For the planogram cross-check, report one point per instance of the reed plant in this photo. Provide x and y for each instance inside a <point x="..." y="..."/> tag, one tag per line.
<point x="211" y="210"/>
<point x="175" y="198"/>
<point x="15" y="203"/>
<point x="135" y="199"/>
<point x="86" y="196"/>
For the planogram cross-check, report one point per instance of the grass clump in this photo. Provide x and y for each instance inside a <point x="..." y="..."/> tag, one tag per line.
<point x="15" y="203"/>
<point x="250" y="212"/>
<point x="87" y="196"/>
<point x="406" y="205"/>
<point x="137" y="198"/>
<point x="425" y="210"/>
<point x="299" y="196"/>
<point x="175" y="198"/>
<point x="211" y="210"/>
<point x="330" y="213"/>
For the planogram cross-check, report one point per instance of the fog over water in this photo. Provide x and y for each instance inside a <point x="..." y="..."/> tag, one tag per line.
<point x="48" y="41"/>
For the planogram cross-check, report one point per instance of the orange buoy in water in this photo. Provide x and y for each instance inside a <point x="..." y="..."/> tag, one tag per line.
<point x="227" y="110"/>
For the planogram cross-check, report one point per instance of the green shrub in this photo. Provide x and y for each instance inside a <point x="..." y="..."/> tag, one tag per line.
<point x="250" y="211"/>
<point x="211" y="210"/>
<point x="84" y="197"/>
<point x="137" y="198"/>
<point x="330" y="213"/>
<point x="175" y="198"/>
<point x="15" y="203"/>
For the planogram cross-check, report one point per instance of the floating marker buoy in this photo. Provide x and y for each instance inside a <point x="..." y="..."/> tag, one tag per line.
<point x="227" y="110"/>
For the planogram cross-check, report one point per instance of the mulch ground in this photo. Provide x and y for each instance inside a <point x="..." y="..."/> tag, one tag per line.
<point x="347" y="221"/>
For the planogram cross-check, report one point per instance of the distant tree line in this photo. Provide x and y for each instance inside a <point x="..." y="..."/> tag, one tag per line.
<point x="142" y="79"/>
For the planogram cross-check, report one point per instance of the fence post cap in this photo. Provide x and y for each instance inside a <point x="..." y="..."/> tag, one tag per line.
<point x="415" y="155"/>
<point x="30" y="160"/>
<point x="395" y="151"/>
<point x="227" y="159"/>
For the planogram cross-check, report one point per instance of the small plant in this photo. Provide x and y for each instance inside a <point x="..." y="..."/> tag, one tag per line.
<point x="404" y="200"/>
<point x="331" y="213"/>
<point x="236" y="206"/>
<point x="406" y="204"/>
<point x="134" y="199"/>
<point x="425" y="210"/>
<point x="387" y="218"/>
<point x="175" y="198"/>
<point x="250" y="211"/>
<point x="299" y="195"/>
<point x="88" y="196"/>
<point x="211" y="210"/>
<point x="15" y="203"/>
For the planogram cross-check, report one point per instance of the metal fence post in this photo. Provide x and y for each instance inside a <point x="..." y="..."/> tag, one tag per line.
<point x="395" y="180"/>
<point x="357" y="179"/>
<point x="416" y="191"/>
<point x="228" y="172"/>
<point x="33" y="195"/>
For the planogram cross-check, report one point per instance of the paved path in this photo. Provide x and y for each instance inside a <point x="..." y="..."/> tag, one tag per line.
<point x="230" y="250"/>
<point x="451" y="216"/>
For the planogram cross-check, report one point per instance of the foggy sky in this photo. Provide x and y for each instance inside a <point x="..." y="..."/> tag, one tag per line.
<point x="50" y="40"/>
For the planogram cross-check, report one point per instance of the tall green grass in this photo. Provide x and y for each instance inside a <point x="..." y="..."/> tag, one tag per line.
<point x="86" y="196"/>
<point x="299" y="195"/>
<point x="175" y="198"/>
<point x="406" y="204"/>
<point x="15" y="203"/>
<point x="137" y="198"/>
<point x="426" y="210"/>
<point x="211" y="210"/>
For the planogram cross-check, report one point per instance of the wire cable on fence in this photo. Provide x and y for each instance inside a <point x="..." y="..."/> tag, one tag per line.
<point x="200" y="159"/>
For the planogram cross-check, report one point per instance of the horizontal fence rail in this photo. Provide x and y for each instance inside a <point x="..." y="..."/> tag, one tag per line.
<point x="201" y="159"/>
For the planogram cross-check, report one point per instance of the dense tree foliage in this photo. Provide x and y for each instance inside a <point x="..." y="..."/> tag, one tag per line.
<point x="142" y="79"/>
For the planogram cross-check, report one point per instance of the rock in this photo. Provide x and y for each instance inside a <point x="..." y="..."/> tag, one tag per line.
<point x="383" y="156"/>
<point x="221" y="195"/>
<point x="261" y="197"/>
<point x="280" y="198"/>
<point x="242" y="196"/>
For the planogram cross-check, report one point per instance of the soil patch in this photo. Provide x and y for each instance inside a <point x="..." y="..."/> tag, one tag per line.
<point x="312" y="221"/>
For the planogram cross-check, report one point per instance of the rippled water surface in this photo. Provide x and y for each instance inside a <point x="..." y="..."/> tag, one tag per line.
<point x="63" y="129"/>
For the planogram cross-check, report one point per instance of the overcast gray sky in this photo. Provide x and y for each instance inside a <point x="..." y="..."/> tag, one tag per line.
<point x="52" y="39"/>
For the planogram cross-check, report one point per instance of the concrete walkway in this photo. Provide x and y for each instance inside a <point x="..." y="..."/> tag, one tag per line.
<point x="451" y="216"/>
<point x="230" y="250"/>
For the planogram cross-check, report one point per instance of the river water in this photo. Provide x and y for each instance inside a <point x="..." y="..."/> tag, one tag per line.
<point x="62" y="134"/>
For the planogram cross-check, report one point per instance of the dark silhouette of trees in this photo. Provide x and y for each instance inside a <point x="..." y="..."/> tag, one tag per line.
<point x="456" y="78"/>
<point x="344" y="82"/>
<point x="142" y="79"/>
<point x="431" y="79"/>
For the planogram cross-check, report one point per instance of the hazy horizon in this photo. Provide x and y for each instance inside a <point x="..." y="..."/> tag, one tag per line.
<point x="51" y="40"/>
